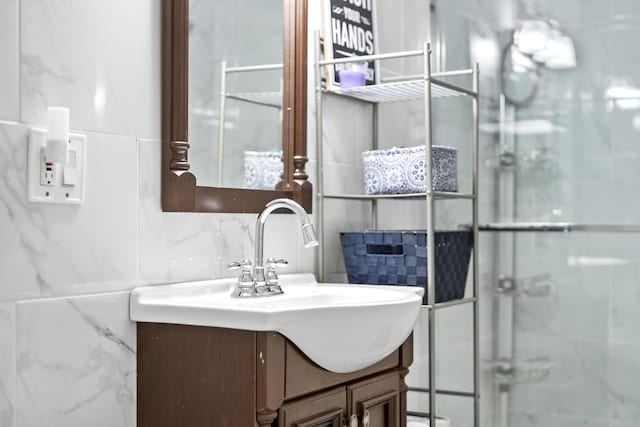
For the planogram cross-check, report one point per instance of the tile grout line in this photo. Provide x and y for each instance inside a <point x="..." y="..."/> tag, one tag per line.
<point x="138" y="175"/>
<point x="19" y="37"/>
<point x="78" y="130"/>
<point x="14" y="362"/>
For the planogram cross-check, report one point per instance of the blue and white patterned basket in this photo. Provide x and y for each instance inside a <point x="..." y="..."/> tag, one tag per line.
<point x="262" y="169"/>
<point x="403" y="170"/>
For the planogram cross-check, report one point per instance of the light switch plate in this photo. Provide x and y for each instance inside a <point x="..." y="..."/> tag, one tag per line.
<point x="56" y="193"/>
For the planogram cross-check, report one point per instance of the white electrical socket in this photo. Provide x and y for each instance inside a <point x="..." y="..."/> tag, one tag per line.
<point x="47" y="170"/>
<point x="63" y="183"/>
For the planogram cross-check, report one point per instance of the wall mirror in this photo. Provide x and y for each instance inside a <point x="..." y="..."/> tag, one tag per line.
<point x="233" y="104"/>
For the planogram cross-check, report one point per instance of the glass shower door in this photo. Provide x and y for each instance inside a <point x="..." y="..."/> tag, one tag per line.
<point x="573" y="298"/>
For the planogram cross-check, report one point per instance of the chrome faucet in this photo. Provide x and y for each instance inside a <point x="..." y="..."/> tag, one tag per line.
<point x="268" y="285"/>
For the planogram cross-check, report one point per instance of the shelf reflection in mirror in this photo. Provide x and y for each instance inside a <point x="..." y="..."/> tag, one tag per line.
<point x="235" y="92"/>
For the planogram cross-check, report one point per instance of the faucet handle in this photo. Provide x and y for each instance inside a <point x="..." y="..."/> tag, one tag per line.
<point x="244" y="287"/>
<point x="272" y="263"/>
<point x="235" y="265"/>
<point x="272" y="277"/>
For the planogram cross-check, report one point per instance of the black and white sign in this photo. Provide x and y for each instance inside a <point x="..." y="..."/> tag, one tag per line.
<point x="349" y="31"/>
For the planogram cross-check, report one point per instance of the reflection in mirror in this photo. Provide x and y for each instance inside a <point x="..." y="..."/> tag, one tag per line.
<point x="235" y="92"/>
<point x="182" y="184"/>
<point x="520" y="76"/>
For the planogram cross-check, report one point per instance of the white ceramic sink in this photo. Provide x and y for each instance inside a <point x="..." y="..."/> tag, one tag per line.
<point x="340" y="327"/>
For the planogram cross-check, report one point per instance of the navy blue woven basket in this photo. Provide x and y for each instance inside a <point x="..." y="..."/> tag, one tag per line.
<point x="400" y="258"/>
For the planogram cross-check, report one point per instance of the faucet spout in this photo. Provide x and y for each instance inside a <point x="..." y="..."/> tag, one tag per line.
<point x="308" y="233"/>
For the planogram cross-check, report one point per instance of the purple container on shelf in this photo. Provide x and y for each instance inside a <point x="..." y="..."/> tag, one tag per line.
<point x="352" y="78"/>
<point x="353" y="74"/>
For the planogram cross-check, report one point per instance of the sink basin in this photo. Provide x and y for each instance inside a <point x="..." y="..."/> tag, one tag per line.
<point x="340" y="327"/>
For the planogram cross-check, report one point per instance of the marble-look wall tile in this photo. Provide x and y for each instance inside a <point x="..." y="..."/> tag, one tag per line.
<point x="572" y="309"/>
<point x="575" y="385"/>
<point x="401" y="124"/>
<point x="102" y="60"/>
<point x="341" y="215"/>
<point x="347" y="130"/>
<point x="625" y="301"/>
<point x="63" y="249"/>
<point x="9" y="61"/>
<point x="19" y="228"/>
<point x="80" y="369"/>
<point x="455" y="348"/>
<point x="617" y="423"/>
<point x="195" y="246"/>
<point x="343" y="178"/>
<point x="620" y="381"/>
<point x="7" y="364"/>
<point x="183" y="246"/>
<point x="543" y="419"/>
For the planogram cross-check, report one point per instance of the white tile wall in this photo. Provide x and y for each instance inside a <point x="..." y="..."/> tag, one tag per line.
<point x="100" y="59"/>
<point x="67" y="352"/>
<point x="80" y="369"/>
<point x="58" y="249"/>
<point x="177" y="247"/>
<point x="9" y="61"/>
<point x="7" y="364"/>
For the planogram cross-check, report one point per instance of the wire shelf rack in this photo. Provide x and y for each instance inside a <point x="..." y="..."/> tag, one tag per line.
<point x="423" y="87"/>
<point x="270" y="99"/>
<point x="400" y="91"/>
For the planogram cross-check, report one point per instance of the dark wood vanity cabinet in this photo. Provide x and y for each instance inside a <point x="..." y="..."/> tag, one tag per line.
<point x="194" y="376"/>
<point x="325" y="409"/>
<point x="371" y="402"/>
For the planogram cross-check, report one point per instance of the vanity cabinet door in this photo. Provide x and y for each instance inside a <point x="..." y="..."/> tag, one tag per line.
<point x="377" y="401"/>
<point x="326" y="409"/>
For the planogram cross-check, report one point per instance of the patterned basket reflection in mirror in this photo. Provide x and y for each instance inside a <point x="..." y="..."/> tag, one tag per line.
<point x="262" y="169"/>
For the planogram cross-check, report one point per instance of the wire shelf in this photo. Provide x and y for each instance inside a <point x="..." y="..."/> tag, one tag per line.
<point x="436" y="194"/>
<point x="417" y="87"/>
<point x="270" y="99"/>
<point x="401" y="91"/>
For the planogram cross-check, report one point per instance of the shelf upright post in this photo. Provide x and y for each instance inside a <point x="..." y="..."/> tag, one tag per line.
<point x="431" y="276"/>
<point x="374" y="134"/>
<point x="476" y="245"/>
<point x="320" y="162"/>
<point x="223" y="95"/>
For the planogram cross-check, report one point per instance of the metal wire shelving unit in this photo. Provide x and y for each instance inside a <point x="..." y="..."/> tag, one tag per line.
<point x="426" y="87"/>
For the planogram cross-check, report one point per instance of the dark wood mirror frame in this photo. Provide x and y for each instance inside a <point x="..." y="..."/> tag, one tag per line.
<point x="180" y="193"/>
